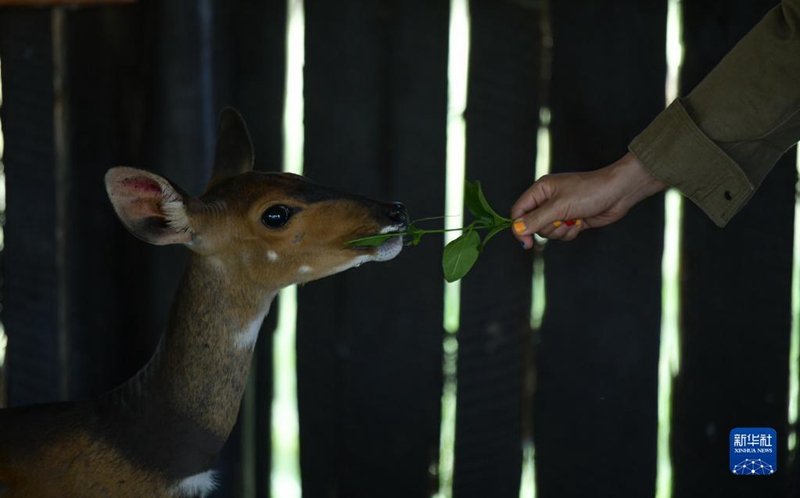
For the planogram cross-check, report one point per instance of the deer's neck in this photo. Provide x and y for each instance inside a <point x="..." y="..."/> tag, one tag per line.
<point x="191" y="389"/>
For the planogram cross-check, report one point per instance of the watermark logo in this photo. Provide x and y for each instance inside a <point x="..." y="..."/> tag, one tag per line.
<point x="754" y="451"/>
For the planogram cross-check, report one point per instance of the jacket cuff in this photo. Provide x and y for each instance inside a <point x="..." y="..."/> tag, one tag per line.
<point x="674" y="150"/>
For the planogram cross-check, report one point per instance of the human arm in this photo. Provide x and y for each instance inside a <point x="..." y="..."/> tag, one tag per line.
<point x="717" y="144"/>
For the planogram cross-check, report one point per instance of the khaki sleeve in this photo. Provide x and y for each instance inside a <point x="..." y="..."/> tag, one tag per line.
<point x="717" y="144"/>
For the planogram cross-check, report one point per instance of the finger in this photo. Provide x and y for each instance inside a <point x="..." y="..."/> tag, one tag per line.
<point x="599" y="221"/>
<point x="549" y="229"/>
<point x="528" y="201"/>
<point x="533" y="198"/>
<point x="525" y="240"/>
<point x="554" y="231"/>
<point x="539" y="218"/>
<point x="573" y="231"/>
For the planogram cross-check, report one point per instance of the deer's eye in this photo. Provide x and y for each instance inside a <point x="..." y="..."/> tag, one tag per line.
<point x="276" y="216"/>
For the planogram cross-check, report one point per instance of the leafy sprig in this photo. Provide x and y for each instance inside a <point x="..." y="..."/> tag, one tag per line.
<point x="460" y="254"/>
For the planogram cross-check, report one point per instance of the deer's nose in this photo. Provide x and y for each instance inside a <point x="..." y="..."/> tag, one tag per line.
<point x="397" y="213"/>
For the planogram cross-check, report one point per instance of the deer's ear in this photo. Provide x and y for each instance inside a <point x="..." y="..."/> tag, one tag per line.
<point x="149" y="205"/>
<point x="234" y="151"/>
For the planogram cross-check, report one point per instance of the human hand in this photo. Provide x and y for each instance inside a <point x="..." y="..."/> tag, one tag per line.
<point x="591" y="200"/>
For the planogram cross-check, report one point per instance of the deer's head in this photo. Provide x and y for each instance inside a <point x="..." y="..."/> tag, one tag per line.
<point x="277" y="228"/>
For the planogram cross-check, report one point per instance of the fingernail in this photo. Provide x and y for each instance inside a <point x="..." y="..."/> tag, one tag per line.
<point x="519" y="226"/>
<point x="556" y="224"/>
<point x="578" y="222"/>
<point x="523" y="244"/>
<point x="570" y="222"/>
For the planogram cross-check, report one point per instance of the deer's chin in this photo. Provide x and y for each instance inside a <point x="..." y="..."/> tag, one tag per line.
<point x="388" y="250"/>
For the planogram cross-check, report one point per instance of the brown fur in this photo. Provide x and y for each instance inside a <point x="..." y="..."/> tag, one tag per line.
<point x="76" y="465"/>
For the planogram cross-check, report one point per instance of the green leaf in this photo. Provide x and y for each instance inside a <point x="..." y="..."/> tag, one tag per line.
<point x="478" y="205"/>
<point x="472" y="198"/>
<point x="488" y="209"/>
<point x="497" y="229"/>
<point x="373" y="240"/>
<point x="460" y="254"/>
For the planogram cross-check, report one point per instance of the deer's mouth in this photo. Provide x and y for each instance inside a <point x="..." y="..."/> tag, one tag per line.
<point x="392" y="246"/>
<point x="383" y="245"/>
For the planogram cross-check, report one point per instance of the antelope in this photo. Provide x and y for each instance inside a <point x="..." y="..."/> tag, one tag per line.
<point x="249" y="235"/>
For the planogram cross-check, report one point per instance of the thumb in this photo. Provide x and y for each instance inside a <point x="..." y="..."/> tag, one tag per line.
<point x="535" y="220"/>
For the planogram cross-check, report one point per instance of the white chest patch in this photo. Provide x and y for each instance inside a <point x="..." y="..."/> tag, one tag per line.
<point x="247" y="338"/>
<point x="272" y="256"/>
<point x="199" y="485"/>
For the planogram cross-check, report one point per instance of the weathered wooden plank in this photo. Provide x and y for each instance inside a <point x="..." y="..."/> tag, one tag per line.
<point x="502" y="118"/>
<point x="180" y="134"/>
<point x="249" y="57"/>
<point x="259" y="92"/>
<point x="369" y="341"/>
<point x="35" y="356"/>
<point x="51" y="3"/>
<point x="126" y="104"/>
<point x="106" y="90"/>
<point x="735" y="302"/>
<point x="253" y="81"/>
<point x="154" y="106"/>
<point x="182" y="122"/>
<point x="595" y="407"/>
<point x="344" y="147"/>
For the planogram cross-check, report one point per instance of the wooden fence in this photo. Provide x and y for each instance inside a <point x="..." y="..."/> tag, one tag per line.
<point x="84" y="303"/>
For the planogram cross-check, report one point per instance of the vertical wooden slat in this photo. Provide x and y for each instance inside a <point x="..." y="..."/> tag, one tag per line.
<point x="736" y="300"/>
<point x="249" y="57"/>
<point x="502" y="119"/>
<point x="595" y="406"/>
<point x="181" y="128"/>
<point x="259" y="91"/>
<point x="106" y="88"/>
<point x="127" y="103"/>
<point x="369" y="341"/>
<point x="148" y="104"/>
<point x="343" y="147"/>
<point x="181" y="125"/>
<point x="61" y="132"/>
<point x="416" y="92"/>
<point x="30" y="310"/>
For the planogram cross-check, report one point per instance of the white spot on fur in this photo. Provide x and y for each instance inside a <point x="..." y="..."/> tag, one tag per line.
<point x="174" y="210"/>
<point x="272" y="256"/>
<point x="304" y="270"/>
<point x="247" y="338"/>
<point x="199" y="485"/>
